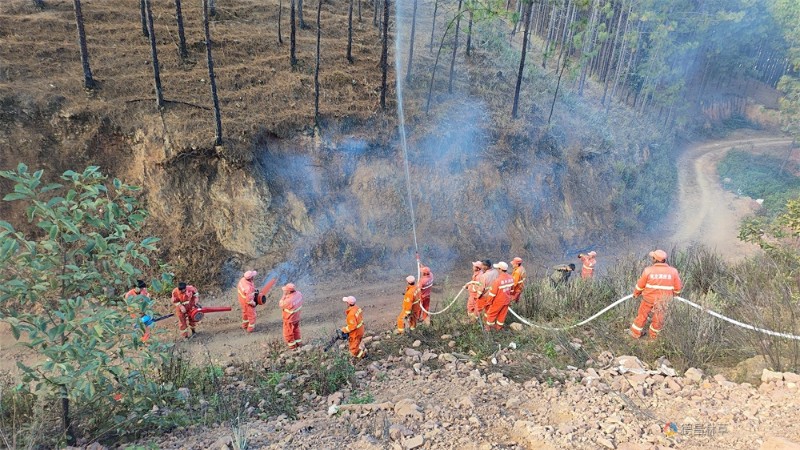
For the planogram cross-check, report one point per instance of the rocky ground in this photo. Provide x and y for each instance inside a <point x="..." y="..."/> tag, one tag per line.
<point x="421" y="399"/>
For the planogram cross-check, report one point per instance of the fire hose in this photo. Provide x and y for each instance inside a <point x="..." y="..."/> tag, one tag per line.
<point x="680" y="299"/>
<point x="448" y="306"/>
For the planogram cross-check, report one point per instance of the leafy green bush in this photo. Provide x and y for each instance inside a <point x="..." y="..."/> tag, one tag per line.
<point x="54" y="292"/>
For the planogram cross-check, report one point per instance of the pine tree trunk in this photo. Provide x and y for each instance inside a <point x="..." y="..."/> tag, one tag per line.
<point x="411" y="43"/>
<point x="375" y="13"/>
<point x="521" y="72"/>
<point x="143" y="17"/>
<point x="154" y="56"/>
<point x="359" y="11"/>
<point x="292" y="34"/>
<point x="385" y="53"/>
<point x="316" y="65"/>
<point x="211" y="77"/>
<point x="181" y="35"/>
<point x="280" y="13"/>
<point x="212" y="8"/>
<point x="349" y="33"/>
<point x="611" y="59"/>
<point x="88" y="80"/>
<point x="433" y="24"/>
<point x="300" y="21"/>
<point x="469" y="35"/>
<point x="455" y="48"/>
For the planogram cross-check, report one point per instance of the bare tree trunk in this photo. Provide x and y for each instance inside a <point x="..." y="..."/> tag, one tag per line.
<point x="66" y="419"/>
<point x="154" y="56"/>
<point x="349" y="32"/>
<point x="375" y="13"/>
<point x="212" y="78"/>
<point x="212" y="8"/>
<point x="88" y="80"/>
<point x="411" y="43"/>
<point x="385" y="53"/>
<point x="614" y="56"/>
<point x="143" y="16"/>
<point x="527" y="19"/>
<point x="292" y="33"/>
<point x="433" y="24"/>
<point x="280" y="12"/>
<point x="181" y="35"/>
<point x="455" y="48"/>
<point x="469" y="35"/>
<point x="359" y="11"/>
<point x="300" y="21"/>
<point x="316" y="65"/>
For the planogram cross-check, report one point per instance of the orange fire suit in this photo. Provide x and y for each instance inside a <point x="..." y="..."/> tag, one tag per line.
<point x="657" y="285"/>
<point x="135" y="312"/>
<point x="473" y="289"/>
<point x="499" y="299"/>
<point x="185" y="302"/>
<point x="246" y="295"/>
<point x="410" y="309"/>
<point x="587" y="270"/>
<point x="519" y="282"/>
<point x="290" y="304"/>
<point x="355" y="330"/>
<point x="425" y="286"/>
<point x="485" y="280"/>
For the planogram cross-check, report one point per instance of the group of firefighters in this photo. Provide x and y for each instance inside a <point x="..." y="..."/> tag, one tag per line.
<point x="491" y="290"/>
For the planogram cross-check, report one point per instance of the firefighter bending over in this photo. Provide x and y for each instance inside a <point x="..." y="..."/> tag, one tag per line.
<point x="354" y="330"/>
<point x="657" y="285"/>
<point x="185" y="297"/>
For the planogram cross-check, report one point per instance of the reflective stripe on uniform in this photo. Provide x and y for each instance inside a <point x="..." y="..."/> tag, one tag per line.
<point x="292" y="311"/>
<point x="633" y="325"/>
<point x="661" y="288"/>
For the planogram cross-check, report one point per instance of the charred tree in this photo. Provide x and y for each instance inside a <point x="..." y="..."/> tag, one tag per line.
<point x="212" y="8"/>
<point x="349" y="32"/>
<point x="280" y="12"/>
<point x="154" y="56"/>
<point x="411" y="43"/>
<point x="211" y="76"/>
<point x="143" y="17"/>
<point x="292" y="35"/>
<point x="88" y="80"/>
<point x="316" y="64"/>
<point x="527" y="20"/>
<point x="300" y="22"/>
<point x="469" y="35"/>
<point x="385" y="53"/>
<point x="433" y="24"/>
<point x="455" y="48"/>
<point x="181" y="35"/>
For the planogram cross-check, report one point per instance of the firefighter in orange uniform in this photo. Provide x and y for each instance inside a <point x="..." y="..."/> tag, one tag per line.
<point x="473" y="289"/>
<point x="140" y="289"/>
<point x="519" y="279"/>
<point x="410" y="306"/>
<point x="499" y="298"/>
<point x="485" y="281"/>
<point x="589" y="261"/>
<point x="246" y="293"/>
<point x="291" y="303"/>
<point x="185" y="297"/>
<point x="425" y="286"/>
<point x="657" y="285"/>
<point x="354" y="328"/>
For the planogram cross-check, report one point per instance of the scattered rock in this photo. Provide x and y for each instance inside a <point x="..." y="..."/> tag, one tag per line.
<point x="791" y="377"/>
<point x="768" y="376"/>
<point x="779" y="443"/>
<point x="407" y="407"/>
<point x="446" y="337"/>
<point x="630" y="364"/>
<point x="416" y="343"/>
<point x="412" y="353"/>
<point x="516" y="326"/>
<point x="335" y="398"/>
<point x="223" y="443"/>
<point x="183" y="394"/>
<point x="413" y="442"/>
<point x="606" y="443"/>
<point x="694" y="375"/>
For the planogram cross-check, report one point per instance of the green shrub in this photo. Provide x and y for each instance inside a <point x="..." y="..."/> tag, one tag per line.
<point x="759" y="176"/>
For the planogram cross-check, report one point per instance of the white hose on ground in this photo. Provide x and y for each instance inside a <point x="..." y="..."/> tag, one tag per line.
<point x="681" y="299"/>
<point x="448" y="306"/>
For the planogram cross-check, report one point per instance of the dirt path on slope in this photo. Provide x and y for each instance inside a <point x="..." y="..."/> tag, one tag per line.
<point x="707" y="214"/>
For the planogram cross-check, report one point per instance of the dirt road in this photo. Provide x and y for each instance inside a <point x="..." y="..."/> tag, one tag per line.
<point x="707" y="214"/>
